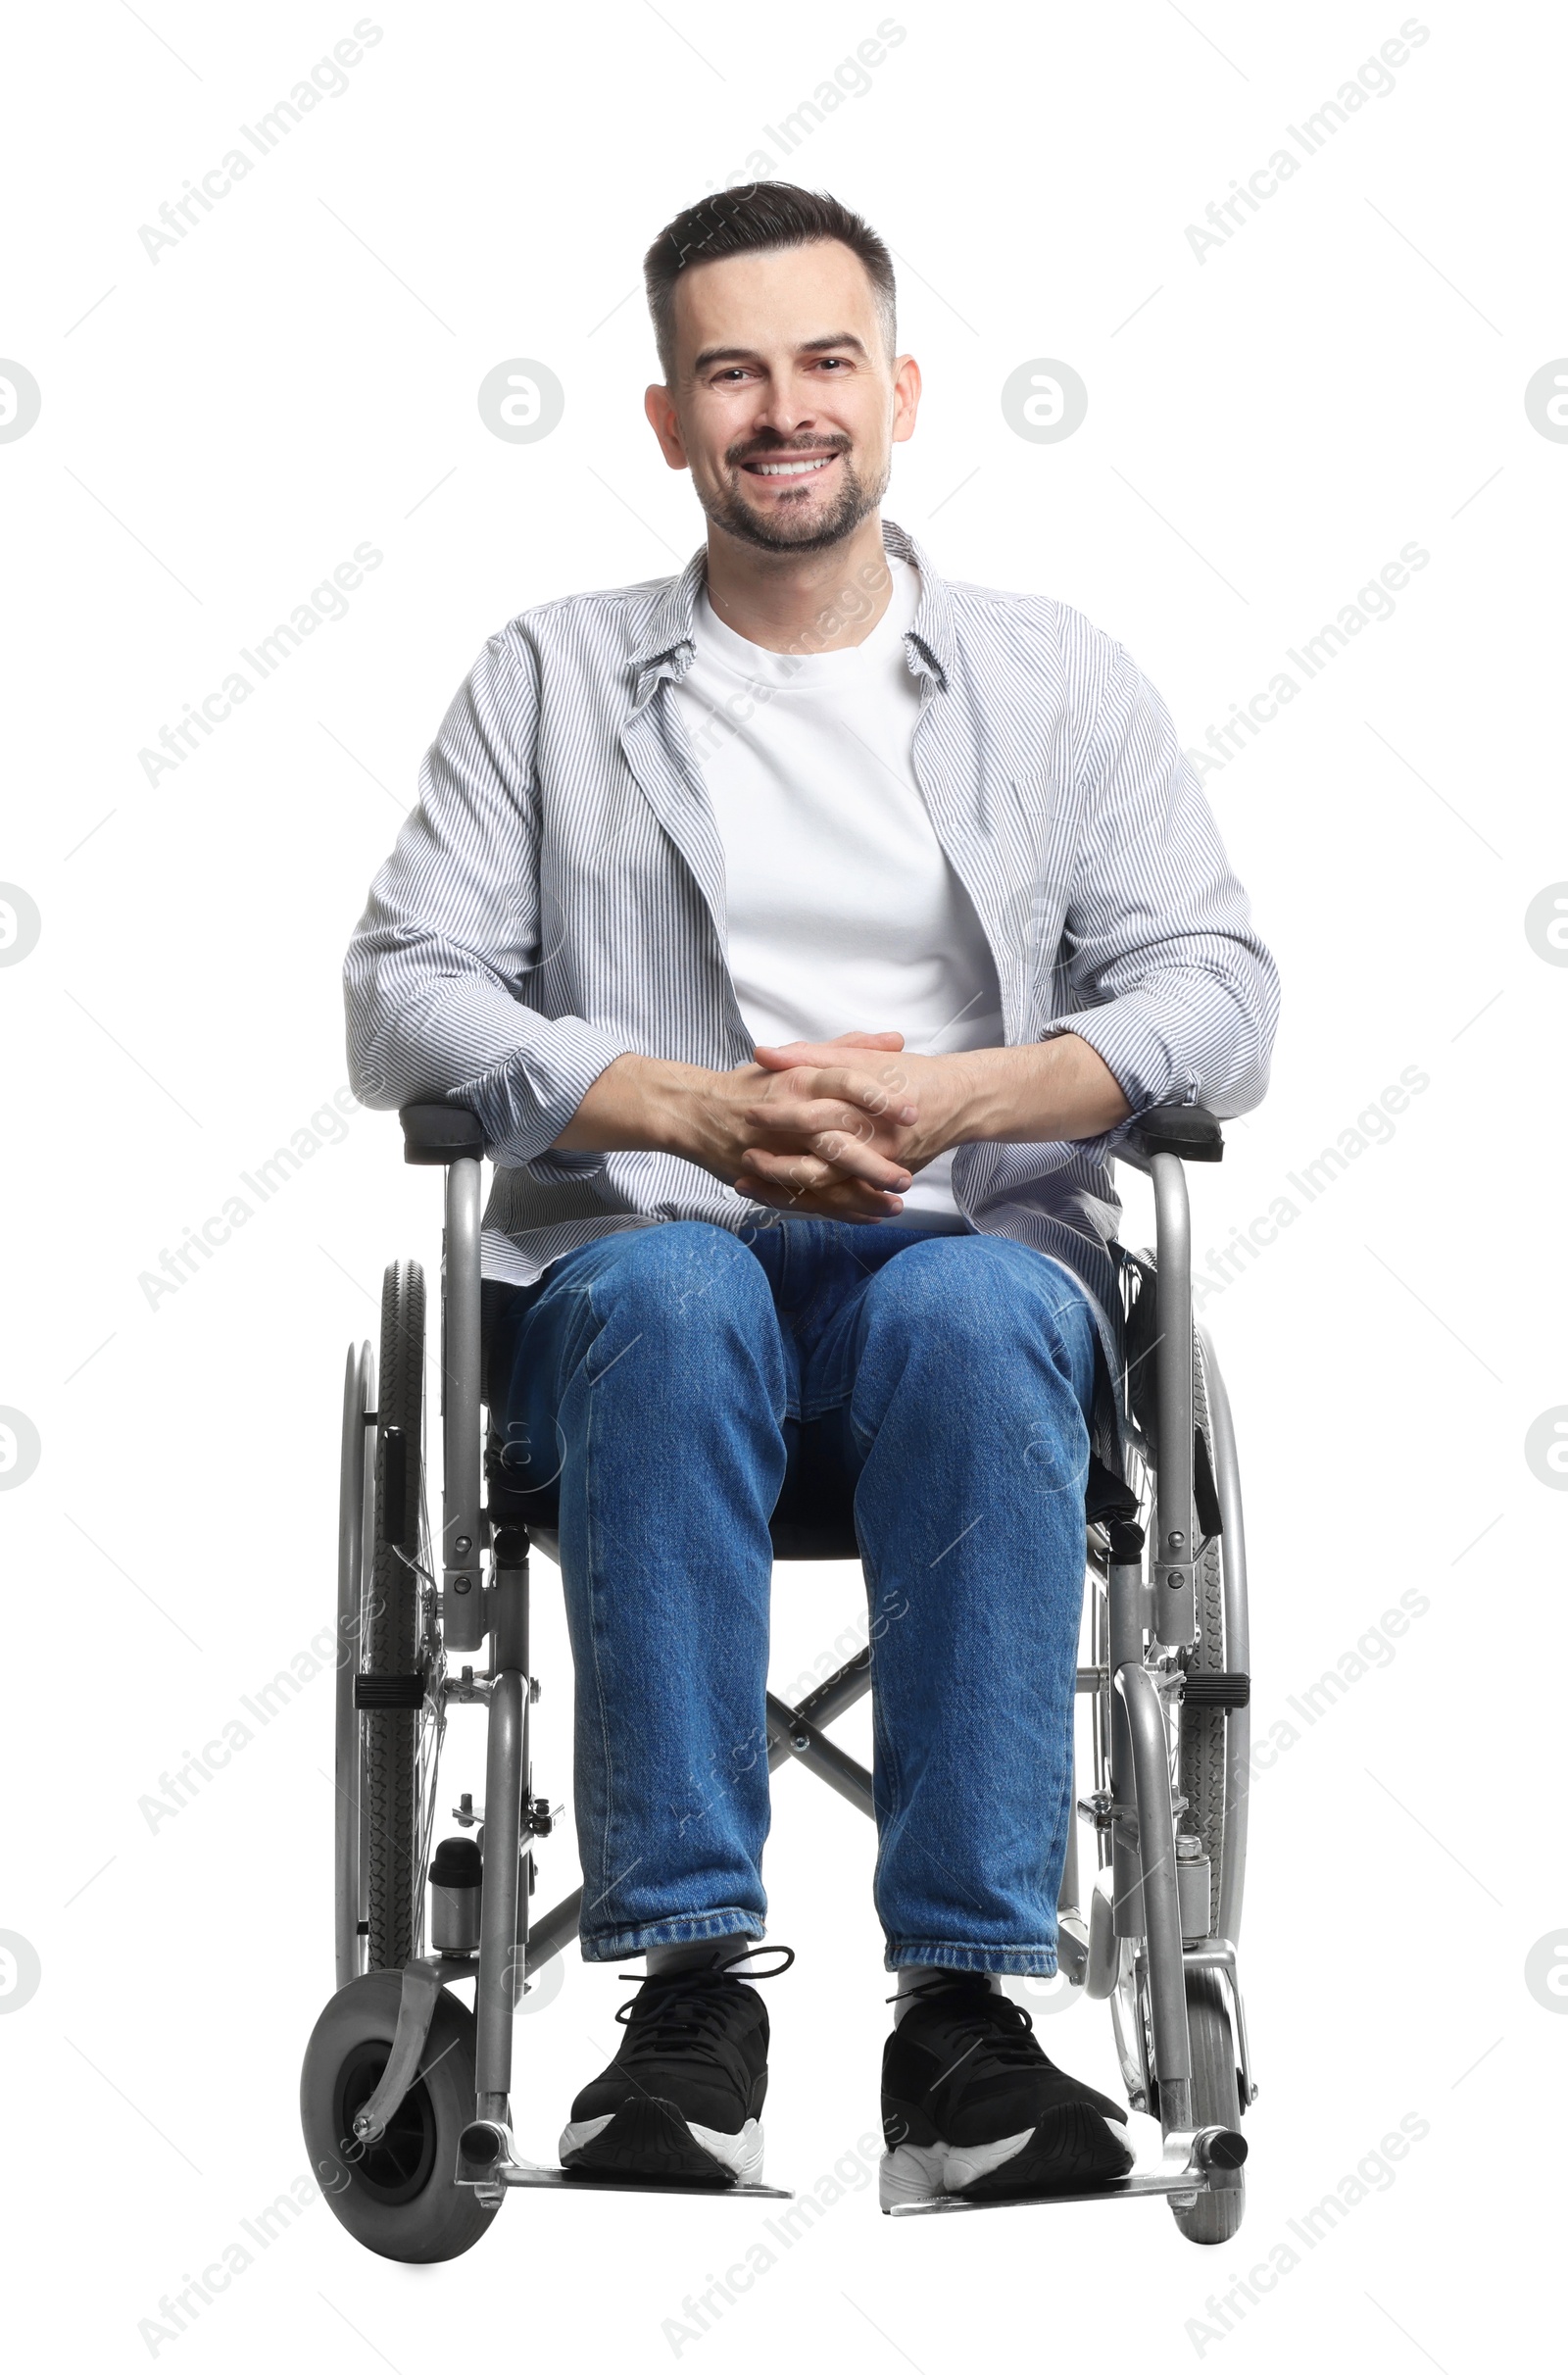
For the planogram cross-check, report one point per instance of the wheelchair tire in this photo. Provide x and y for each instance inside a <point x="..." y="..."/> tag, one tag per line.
<point x="391" y="1632"/>
<point x="396" y="2197"/>
<point x="1202" y="1729"/>
<point x="1216" y="2101"/>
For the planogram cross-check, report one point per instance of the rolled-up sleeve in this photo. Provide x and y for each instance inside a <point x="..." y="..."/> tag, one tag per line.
<point x="434" y="979"/>
<point x="1166" y="978"/>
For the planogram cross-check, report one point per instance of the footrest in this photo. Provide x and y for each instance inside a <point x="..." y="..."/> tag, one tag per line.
<point x="580" y="2181"/>
<point x="487" y="2159"/>
<point x="1191" y="2161"/>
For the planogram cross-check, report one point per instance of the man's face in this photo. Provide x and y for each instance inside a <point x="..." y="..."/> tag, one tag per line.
<point x="785" y="407"/>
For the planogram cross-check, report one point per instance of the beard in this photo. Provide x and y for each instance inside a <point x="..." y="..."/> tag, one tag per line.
<point x="779" y="531"/>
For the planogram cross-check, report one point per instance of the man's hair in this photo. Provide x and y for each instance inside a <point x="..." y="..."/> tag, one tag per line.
<point x="747" y="221"/>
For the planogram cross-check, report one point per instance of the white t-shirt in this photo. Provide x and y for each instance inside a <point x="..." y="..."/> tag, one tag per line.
<point x="844" y="912"/>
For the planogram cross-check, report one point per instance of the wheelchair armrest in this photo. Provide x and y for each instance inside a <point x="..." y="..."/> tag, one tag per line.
<point x="440" y="1133"/>
<point x="1189" y="1130"/>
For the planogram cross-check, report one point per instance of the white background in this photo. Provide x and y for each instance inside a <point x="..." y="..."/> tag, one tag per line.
<point x="1266" y="429"/>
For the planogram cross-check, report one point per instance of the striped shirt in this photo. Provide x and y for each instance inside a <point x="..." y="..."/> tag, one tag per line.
<point x="556" y="899"/>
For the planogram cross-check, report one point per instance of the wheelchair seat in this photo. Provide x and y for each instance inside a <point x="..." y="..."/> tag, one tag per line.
<point x="814" y="1519"/>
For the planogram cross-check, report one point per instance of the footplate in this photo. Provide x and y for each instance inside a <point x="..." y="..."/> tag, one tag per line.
<point x="1193" y="2161"/>
<point x="487" y="2161"/>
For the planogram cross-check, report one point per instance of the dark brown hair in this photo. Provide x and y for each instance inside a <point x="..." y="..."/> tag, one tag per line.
<point x="744" y="220"/>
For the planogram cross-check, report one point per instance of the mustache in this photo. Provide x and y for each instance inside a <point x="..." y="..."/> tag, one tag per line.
<point x="776" y="449"/>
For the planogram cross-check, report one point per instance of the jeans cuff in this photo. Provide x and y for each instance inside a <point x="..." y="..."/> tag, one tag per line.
<point x="1017" y="1963"/>
<point x="680" y="1930"/>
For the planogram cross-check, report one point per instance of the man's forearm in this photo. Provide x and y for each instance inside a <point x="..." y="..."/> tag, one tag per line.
<point x="641" y="1105"/>
<point x="1052" y="1089"/>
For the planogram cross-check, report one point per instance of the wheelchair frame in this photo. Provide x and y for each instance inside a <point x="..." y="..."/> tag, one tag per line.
<point x="1150" y="1930"/>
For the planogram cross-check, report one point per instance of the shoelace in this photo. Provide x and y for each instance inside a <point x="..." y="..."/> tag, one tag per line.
<point x="681" y="2007"/>
<point x="989" y="2019"/>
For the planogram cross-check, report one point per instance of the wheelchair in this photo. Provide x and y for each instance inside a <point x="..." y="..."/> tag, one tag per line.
<point x="404" y="2094"/>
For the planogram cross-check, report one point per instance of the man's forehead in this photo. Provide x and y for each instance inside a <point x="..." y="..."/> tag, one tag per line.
<point x="798" y="296"/>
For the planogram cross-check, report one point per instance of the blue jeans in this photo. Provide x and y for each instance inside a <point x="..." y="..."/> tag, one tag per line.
<point x="654" y="1393"/>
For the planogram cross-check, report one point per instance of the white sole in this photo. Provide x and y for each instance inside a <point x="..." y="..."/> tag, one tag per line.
<point x="924" y="2172"/>
<point x="741" y="2152"/>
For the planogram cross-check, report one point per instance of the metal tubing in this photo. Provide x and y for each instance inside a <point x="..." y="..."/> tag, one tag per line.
<point x="1238" y="1648"/>
<point x="1167" y="1987"/>
<point x="1067" y="1892"/>
<point x="358" y="1387"/>
<point x="839" y="1691"/>
<point x="421" y="1985"/>
<point x="1173" y="1381"/>
<point x="508" y="1602"/>
<point x="557" y="1928"/>
<point x="1124" y="1646"/>
<point x="462" y="1448"/>
<point x="496" y="1993"/>
<point x="793" y="1736"/>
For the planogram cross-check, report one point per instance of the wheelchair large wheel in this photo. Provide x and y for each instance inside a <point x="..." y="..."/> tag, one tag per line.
<point x="1202" y="1765"/>
<point x="396" y="2196"/>
<point x="399" y="1686"/>
<point x="1216" y="2101"/>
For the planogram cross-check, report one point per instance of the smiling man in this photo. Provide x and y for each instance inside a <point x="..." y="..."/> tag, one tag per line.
<point x="802" y="930"/>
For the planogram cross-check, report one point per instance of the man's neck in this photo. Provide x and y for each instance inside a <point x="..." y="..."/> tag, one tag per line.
<point x="800" y="602"/>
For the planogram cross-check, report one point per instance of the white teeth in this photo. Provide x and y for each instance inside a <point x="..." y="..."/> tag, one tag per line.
<point x="788" y="469"/>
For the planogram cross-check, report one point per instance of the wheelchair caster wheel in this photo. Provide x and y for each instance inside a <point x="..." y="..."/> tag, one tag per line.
<point x="1213" y="2217"/>
<point x="396" y="2196"/>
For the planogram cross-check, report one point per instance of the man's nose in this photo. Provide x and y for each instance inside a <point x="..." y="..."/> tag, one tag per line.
<point x="784" y="412"/>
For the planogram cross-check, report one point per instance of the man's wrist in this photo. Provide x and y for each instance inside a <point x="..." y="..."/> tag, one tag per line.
<point x="646" y="1104"/>
<point x="984" y="1093"/>
<point x="988" y="1092"/>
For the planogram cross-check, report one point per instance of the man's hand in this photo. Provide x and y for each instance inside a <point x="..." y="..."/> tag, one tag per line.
<point x="927" y="1096"/>
<point x="806" y="1131"/>
<point x="833" y="1123"/>
<point x="1052" y="1089"/>
<point x="821" y="1137"/>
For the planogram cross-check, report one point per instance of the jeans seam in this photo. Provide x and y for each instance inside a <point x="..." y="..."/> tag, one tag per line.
<point x="986" y="1956"/>
<point x="669" y="1929"/>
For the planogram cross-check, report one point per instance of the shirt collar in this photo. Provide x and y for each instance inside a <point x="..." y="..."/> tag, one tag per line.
<point x="666" y="647"/>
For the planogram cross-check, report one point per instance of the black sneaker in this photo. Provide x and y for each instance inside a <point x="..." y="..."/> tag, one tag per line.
<point x="971" y="2105"/>
<point x="682" y="2100"/>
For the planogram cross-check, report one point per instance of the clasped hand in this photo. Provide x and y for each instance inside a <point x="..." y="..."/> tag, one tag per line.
<point x="836" y="1138"/>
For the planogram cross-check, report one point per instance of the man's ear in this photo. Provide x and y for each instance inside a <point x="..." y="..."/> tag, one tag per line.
<point x="905" y="397"/>
<point x="665" y="425"/>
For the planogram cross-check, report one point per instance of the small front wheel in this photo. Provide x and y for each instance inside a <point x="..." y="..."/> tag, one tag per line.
<point x="1216" y="2101"/>
<point x="396" y="2196"/>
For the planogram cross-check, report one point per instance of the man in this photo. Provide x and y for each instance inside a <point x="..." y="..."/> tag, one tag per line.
<point x="803" y="931"/>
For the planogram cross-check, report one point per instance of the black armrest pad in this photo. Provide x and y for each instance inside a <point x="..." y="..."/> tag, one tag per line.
<point x="1188" y="1130"/>
<point x="439" y="1133"/>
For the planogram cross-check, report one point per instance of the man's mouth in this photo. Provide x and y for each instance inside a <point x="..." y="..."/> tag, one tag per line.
<point x="801" y="467"/>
